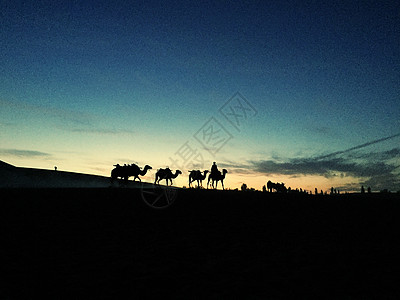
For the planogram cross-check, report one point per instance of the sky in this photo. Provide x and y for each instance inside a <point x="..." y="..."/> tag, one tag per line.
<point x="301" y="92"/>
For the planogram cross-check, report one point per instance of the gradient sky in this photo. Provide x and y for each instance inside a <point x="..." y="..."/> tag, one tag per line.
<point x="87" y="84"/>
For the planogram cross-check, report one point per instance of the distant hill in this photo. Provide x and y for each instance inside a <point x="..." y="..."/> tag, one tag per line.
<point x="5" y="165"/>
<point x="18" y="177"/>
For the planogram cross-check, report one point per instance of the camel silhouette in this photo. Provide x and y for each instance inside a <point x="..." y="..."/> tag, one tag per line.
<point x="166" y="174"/>
<point x="279" y="187"/>
<point x="215" y="177"/>
<point x="195" y="175"/>
<point x="126" y="171"/>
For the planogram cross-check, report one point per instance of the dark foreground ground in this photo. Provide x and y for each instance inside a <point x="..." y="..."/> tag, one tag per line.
<point x="106" y="243"/>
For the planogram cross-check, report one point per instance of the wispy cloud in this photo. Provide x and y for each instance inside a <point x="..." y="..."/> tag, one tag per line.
<point x="358" y="147"/>
<point x="101" y="130"/>
<point x="6" y="124"/>
<point x="69" y="120"/>
<point x="47" y="111"/>
<point x="377" y="156"/>
<point x="23" y="153"/>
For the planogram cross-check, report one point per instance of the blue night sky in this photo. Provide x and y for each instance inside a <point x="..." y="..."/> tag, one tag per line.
<point x="87" y="84"/>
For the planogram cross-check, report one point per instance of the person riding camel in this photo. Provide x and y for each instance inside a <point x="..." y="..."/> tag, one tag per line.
<point x="214" y="169"/>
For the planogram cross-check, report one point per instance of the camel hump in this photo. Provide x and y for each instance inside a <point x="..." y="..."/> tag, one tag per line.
<point x="134" y="167"/>
<point x="162" y="171"/>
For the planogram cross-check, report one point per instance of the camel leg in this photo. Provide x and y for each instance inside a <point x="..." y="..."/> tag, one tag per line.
<point x="222" y="182"/>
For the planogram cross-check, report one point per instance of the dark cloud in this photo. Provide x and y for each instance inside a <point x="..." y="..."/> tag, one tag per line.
<point x="373" y="168"/>
<point x="352" y="186"/>
<point x="378" y="170"/>
<point x="388" y="181"/>
<point x="23" y="153"/>
<point x="328" y="167"/>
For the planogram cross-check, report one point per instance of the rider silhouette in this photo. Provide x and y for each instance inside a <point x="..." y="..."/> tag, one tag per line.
<point x="214" y="169"/>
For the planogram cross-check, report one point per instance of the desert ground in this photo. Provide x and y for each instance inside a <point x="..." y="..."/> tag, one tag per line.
<point x="96" y="243"/>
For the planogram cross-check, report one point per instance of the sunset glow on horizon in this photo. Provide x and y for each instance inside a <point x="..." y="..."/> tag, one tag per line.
<point x="301" y="93"/>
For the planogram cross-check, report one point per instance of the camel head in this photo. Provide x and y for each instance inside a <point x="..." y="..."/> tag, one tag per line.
<point x="146" y="167"/>
<point x="177" y="172"/>
<point x="224" y="171"/>
<point x="205" y="172"/>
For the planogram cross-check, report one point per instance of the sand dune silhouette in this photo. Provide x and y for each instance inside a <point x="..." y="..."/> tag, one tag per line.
<point x="19" y="177"/>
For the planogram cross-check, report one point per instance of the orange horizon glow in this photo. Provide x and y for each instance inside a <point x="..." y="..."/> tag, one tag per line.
<point x="232" y="180"/>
